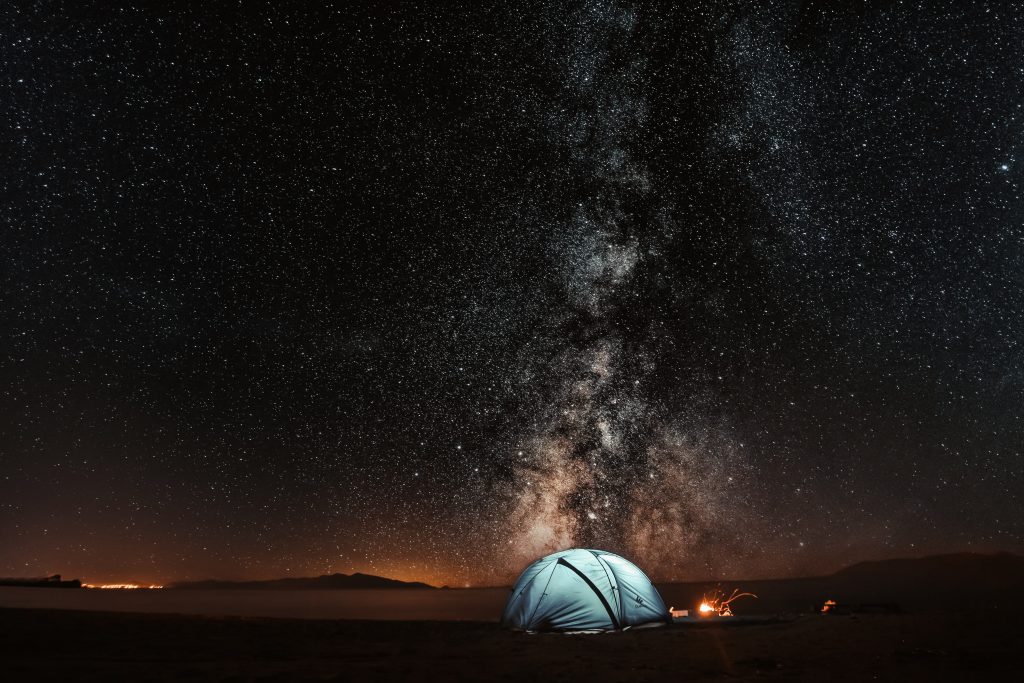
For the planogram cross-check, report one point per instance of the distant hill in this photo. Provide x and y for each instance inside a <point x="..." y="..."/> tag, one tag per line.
<point x="993" y="571"/>
<point x="973" y="580"/>
<point x="328" y="582"/>
<point x="40" y="582"/>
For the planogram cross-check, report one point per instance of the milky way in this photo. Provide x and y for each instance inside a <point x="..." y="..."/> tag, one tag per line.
<point x="609" y="466"/>
<point x="731" y="289"/>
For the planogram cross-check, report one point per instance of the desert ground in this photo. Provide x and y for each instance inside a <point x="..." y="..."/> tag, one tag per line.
<point x="64" y="645"/>
<point x="948" y="618"/>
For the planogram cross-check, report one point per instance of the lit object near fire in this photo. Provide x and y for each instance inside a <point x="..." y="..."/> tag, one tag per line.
<point x="716" y="604"/>
<point x="118" y="586"/>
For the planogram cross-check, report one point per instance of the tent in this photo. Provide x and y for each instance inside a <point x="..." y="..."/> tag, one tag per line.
<point x="583" y="590"/>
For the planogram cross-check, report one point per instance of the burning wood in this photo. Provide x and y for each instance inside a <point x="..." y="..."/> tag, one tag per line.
<point x="716" y="603"/>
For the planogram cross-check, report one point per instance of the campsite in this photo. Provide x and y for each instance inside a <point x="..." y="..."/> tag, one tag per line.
<point x="955" y="618"/>
<point x="598" y="340"/>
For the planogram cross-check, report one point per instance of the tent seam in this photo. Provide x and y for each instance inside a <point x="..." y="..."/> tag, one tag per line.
<point x="613" y="582"/>
<point x="528" y="584"/>
<point x="529" y="622"/>
<point x="607" y="607"/>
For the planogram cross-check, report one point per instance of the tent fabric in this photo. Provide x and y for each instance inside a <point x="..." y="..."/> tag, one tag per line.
<point x="583" y="590"/>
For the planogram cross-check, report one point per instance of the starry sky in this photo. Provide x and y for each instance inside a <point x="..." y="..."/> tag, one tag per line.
<point x="427" y="290"/>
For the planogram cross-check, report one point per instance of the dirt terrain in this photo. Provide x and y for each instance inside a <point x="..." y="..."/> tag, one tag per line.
<point x="40" y="645"/>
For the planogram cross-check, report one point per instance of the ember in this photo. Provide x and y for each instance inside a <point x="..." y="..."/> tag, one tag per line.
<point x="717" y="604"/>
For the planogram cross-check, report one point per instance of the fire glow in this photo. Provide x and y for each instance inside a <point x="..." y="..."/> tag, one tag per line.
<point x="717" y="604"/>
<point x="119" y="586"/>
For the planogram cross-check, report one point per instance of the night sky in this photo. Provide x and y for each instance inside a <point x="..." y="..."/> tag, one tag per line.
<point x="734" y="289"/>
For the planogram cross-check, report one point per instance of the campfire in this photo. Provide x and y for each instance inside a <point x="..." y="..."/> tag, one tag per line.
<point x="717" y="604"/>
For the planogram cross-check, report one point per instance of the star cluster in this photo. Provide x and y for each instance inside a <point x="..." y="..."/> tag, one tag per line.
<point x="733" y="289"/>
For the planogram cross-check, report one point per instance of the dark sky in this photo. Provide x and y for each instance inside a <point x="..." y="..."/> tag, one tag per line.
<point x="733" y="289"/>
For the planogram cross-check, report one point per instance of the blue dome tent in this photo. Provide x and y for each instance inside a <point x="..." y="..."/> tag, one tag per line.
<point x="583" y="590"/>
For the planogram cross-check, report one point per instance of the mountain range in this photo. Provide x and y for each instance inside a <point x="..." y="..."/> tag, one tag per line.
<point x="325" y="582"/>
<point x="914" y="579"/>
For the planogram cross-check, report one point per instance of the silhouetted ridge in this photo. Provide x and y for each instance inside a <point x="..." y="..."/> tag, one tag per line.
<point x="40" y="582"/>
<point x="972" y="580"/>
<point x="984" y="570"/>
<point x="327" y="581"/>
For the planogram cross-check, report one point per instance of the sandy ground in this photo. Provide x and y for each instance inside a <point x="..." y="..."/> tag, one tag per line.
<point x="485" y="604"/>
<point x="39" y="645"/>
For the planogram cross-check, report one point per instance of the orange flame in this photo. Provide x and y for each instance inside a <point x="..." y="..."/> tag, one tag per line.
<point x="716" y="603"/>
